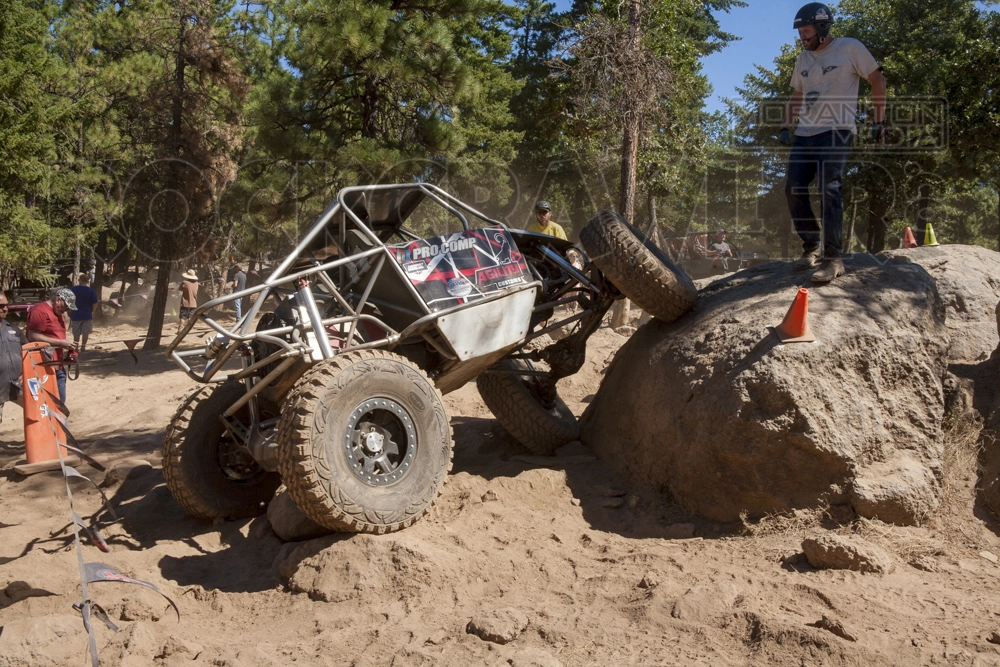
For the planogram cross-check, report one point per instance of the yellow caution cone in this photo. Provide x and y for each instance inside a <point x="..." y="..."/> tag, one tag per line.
<point x="929" y="238"/>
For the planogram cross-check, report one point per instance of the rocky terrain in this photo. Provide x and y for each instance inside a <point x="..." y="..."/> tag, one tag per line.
<point x="524" y="561"/>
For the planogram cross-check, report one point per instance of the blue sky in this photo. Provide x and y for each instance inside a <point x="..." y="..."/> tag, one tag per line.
<point x="763" y="28"/>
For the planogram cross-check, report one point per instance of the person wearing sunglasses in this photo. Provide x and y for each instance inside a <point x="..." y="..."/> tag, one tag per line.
<point x="11" y="340"/>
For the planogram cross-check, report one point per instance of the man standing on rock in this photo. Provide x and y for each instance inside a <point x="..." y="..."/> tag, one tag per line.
<point x="825" y="100"/>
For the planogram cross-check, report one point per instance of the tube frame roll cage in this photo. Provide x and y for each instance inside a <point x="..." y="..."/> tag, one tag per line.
<point x="564" y="284"/>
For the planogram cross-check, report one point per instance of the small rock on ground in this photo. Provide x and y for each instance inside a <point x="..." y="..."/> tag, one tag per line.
<point x="500" y="627"/>
<point x="994" y="637"/>
<point x="836" y="552"/>
<point x="679" y="531"/>
<point x="117" y="473"/>
<point x="836" y="627"/>
<point x="288" y="521"/>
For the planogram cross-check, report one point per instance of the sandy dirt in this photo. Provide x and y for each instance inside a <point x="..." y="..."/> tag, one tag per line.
<point x="555" y="555"/>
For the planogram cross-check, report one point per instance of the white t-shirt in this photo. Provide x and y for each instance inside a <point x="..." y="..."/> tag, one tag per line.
<point x="829" y="80"/>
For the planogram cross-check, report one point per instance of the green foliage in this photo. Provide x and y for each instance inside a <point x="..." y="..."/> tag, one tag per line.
<point x="26" y="143"/>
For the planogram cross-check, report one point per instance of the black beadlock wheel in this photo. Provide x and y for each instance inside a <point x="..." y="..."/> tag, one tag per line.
<point x="637" y="267"/>
<point x="516" y="404"/>
<point x="208" y="472"/>
<point x="364" y="442"/>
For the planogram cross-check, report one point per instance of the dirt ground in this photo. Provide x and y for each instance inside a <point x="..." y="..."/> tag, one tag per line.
<point x="580" y="571"/>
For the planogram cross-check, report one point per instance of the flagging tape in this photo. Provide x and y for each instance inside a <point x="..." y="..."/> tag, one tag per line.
<point x="89" y="572"/>
<point x="102" y="572"/>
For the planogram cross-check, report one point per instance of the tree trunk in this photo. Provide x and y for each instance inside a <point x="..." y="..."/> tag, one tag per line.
<point x="849" y="246"/>
<point x="98" y="284"/>
<point x="76" y="256"/>
<point x="876" y="227"/>
<point x="155" y="331"/>
<point x="631" y="123"/>
<point x="923" y="205"/>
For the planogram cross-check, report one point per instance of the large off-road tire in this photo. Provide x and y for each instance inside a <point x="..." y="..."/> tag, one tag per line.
<point x="637" y="267"/>
<point x="516" y="404"/>
<point x="364" y="442"/>
<point x="207" y="471"/>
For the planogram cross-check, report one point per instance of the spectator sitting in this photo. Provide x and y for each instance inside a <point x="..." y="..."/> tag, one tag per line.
<point x="720" y="249"/>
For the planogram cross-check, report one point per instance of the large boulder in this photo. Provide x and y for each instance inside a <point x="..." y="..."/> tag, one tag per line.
<point x="968" y="279"/>
<point x="715" y="411"/>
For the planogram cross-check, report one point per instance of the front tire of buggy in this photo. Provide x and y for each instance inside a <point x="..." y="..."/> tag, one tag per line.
<point x="207" y="471"/>
<point x="518" y="408"/>
<point x="364" y="443"/>
<point x="637" y="267"/>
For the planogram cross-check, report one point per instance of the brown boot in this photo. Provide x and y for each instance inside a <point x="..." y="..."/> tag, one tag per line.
<point x="829" y="268"/>
<point x="807" y="260"/>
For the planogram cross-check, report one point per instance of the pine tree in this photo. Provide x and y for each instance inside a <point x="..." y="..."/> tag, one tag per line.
<point x="182" y="100"/>
<point x="27" y="118"/>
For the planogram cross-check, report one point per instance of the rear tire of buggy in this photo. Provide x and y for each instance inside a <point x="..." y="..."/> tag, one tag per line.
<point x="637" y="267"/>
<point x="518" y="409"/>
<point x="191" y="460"/>
<point x="322" y="457"/>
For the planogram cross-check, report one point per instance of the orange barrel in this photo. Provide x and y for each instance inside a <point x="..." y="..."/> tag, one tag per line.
<point x="39" y="428"/>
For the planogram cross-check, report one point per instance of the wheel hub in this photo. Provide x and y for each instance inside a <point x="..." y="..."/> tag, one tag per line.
<point x="373" y="442"/>
<point x="235" y="461"/>
<point x="380" y="441"/>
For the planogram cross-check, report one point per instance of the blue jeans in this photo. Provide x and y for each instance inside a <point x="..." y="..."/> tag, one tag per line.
<point x="61" y="383"/>
<point x="824" y="155"/>
<point x="238" y="305"/>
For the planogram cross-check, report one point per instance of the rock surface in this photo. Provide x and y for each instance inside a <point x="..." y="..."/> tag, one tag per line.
<point x="836" y="552"/>
<point x="715" y="411"/>
<point x="288" y="521"/>
<point x="968" y="280"/>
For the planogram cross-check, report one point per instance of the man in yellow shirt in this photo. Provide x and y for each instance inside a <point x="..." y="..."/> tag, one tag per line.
<point x="543" y="222"/>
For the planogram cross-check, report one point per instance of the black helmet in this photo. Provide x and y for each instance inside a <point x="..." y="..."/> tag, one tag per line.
<point x="817" y="14"/>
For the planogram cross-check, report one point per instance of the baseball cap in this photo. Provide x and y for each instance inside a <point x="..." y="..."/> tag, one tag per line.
<point x="720" y="230"/>
<point x="67" y="296"/>
<point x="542" y="205"/>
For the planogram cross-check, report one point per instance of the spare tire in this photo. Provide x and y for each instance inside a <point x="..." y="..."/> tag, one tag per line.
<point x="516" y="404"/>
<point x="637" y="267"/>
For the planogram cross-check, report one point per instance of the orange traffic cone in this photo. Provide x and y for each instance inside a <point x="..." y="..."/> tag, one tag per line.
<point x="795" y="327"/>
<point x="909" y="241"/>
<point x="41" y="426"/>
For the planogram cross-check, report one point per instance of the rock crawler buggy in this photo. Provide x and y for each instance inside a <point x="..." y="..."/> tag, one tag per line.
<point x="332" y="381"/>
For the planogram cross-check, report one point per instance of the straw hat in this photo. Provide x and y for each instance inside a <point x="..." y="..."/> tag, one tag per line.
<point x="190" y="275"/>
